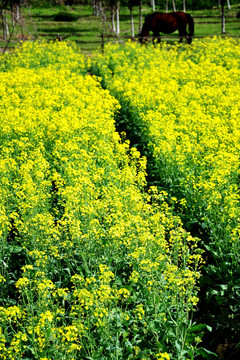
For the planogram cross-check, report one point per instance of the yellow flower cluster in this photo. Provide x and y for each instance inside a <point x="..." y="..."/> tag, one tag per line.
<point x="96" y="262"/>
<point x="52" y="54"/>
<point x="162" y="356"/>
<point x="184" y="103"/>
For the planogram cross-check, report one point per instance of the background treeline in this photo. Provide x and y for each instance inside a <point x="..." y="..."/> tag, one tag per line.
<point x="179" y="4"/>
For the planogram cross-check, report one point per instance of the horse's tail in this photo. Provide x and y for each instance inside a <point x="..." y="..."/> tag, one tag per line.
<point x="190" y="28"/>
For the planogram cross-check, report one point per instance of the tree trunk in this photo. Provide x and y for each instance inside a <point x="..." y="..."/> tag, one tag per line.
<point x="18" y="12"/>
<point x="132" y="24"/>
<point x="166" y="6"/>
<point x="223" y="16"/>
<point x="117" y="16"/>
<point x="12" y="14"/>
<point x="15" y="13"/>
<point x="140" y="15"/>
<point x="5" y="24"/>
<point x="184" y="5"/>
<point x="153" y="5"/>
<point x="113" y="18"/>
<point x="2" y="18"/>
<point x="228" y="4"/>
<point x="97" y="7"/>
<point x="94" y="8"/>
<point x="173" y="5"/>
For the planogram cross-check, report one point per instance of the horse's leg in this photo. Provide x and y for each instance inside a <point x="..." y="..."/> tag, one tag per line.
<point x="182" y="33"/>
<point x="156" y="35"/>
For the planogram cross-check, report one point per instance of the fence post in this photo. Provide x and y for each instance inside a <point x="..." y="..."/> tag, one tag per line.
<point x="102" y="46"/>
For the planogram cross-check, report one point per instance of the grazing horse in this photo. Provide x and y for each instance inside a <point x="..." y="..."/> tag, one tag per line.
<point x="167" y="23"/>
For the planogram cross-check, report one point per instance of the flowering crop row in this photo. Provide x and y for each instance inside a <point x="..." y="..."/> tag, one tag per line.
<point x="91" y="266"/>
<point x="184" y="104"/>
<point x="52" y="55"/>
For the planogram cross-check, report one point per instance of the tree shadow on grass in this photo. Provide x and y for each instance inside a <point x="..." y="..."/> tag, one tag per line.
<point x="60" y="29"/>
<point x="67" y="29"/>
<point x="127" y="17"/>
<point x="43" y="16"/>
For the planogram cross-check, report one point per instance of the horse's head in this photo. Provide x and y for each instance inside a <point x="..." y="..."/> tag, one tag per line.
<point x="140" y="38"/>
<point x="143" y="39"/>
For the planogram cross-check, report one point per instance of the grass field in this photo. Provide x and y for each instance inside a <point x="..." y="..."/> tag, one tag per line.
<point x="86" y="29"/>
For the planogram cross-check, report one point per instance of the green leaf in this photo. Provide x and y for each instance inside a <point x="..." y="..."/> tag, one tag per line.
<point x="206" y="354"/>
<point x="200" y="327"/>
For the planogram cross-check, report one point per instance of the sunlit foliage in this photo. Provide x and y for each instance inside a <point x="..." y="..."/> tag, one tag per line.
<point x="183" y="102"/>
<point x="92" y="266"/>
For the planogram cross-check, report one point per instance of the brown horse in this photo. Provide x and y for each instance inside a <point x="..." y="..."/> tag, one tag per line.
<point x="167" y="23"/>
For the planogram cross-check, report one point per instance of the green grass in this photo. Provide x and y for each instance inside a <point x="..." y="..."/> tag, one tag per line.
<point x="86" y="29"/>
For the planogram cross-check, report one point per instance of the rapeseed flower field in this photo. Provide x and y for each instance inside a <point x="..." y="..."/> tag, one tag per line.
<point x="182" y="104"/>
<point x="92" y="266"/>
